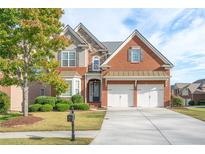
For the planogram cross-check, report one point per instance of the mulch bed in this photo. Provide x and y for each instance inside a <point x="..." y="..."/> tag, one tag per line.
<point x="20" y="121"/>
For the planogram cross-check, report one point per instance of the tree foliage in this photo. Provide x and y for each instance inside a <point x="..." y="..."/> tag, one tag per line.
<point x="29" y="40"/>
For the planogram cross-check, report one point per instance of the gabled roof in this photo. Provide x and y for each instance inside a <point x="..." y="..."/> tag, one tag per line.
<point x="181" y="85"/>
<point x="143" y="39"/>
<point x="90" y="34"/>
<point x="201" y="81"/>
<point x="193" y="87"/>
<point x="68" y="28"/>
<point x="112" y="45"/>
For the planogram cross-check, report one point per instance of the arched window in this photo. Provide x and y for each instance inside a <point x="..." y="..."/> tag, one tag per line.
<point x="96" y="63"/>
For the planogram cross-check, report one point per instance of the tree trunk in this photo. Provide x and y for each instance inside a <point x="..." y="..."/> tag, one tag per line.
<point x="25" y="99"/>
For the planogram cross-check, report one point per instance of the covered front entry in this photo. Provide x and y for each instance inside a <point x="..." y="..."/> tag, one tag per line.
<point x="150" y="95"/>
<point x="94" y="90"/>
<point x="120" y="95"/>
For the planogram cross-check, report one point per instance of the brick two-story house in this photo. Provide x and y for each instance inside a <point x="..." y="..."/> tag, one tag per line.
<point x="130" y="73"/>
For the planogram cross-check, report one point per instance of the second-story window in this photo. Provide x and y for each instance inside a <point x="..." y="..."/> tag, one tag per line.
<point x="68" y="58"/>
<point x="96" y="63"/>
<point x="135" y="55"/>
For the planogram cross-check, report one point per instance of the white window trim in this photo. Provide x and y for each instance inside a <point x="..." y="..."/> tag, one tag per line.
<point x="94" y="58"/>
<point x="139" y="50"/>
<point x="68" y="51"/>
<point x="73" y="86"/>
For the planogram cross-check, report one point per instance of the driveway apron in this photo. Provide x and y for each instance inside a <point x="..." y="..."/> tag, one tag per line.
<point x="149" y="126"/>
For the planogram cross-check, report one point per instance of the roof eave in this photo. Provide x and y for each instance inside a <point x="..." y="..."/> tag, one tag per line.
<point x="80" y="25"/>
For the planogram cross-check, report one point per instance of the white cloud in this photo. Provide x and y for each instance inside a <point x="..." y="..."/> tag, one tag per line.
<point x="179" y="46"/>
<point x="105" y="24"/>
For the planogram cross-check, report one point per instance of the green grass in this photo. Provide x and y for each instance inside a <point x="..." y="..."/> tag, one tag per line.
<point x="56" y="121"/>
<point x="6" y="117"/>
<point x="45" y="141"/>
<point x="198" y="113"/>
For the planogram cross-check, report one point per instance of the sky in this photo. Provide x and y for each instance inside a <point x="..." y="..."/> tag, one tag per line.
<point x="179" y="34"/>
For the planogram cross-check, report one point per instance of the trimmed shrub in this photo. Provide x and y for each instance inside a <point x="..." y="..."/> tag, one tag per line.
<point x="46" y="100"/>
<point x="62" y="107"/>
<point x="191" y="103"/>
<point x="201" y="102"/>
<point x="80" y="106"/>
<point x="4" y="103"/>
<point x="63" y="101"/>
<point x="177" y="101"/>
<point x="77" y="99"/>
<point x="46" y="108"/>
<point x="34" y="107"/>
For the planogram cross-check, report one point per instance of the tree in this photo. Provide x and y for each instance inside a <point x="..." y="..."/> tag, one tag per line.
<point x="29" y="40"/>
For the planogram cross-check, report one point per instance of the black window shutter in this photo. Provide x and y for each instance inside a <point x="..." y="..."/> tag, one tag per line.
<point x="59" y="57"/>
<point x="129" y="55"/>
<point x="141" y="55"/>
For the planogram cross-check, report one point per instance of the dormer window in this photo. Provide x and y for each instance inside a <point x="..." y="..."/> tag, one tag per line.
<point x="68" y="58"/>
<point x="96" y="63"/>
<point x="135" y="55"/>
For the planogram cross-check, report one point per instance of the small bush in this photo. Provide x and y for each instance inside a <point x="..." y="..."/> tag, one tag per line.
<point x="77" y="99"/>
<point x="62" y="107"/>
<point x="63" y="101"/>
<point x="4" y="103"/>
<point x="46" y="100"/>
<point x="34" y="107"/>
<point x="177" y="101"/>
<point x="191" y="103"/>
<point x="46" y="108"/>
<point x="80" y="106"/>
<point x="201" y="102"/>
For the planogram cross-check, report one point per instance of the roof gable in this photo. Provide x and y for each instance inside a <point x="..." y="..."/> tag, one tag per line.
<point x="73" y="33"/>
<point x="145" y="41"/>
<point x="81" y="26"/>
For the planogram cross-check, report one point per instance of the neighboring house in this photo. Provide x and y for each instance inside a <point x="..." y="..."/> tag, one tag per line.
<point x="191" y="91"/>
<point x="114" y="74"/>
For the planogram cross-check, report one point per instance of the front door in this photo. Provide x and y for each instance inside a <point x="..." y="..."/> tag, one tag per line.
<point x="94" y="91"/>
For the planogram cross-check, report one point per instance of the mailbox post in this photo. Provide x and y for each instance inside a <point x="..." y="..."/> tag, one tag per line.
<point x="71" y="118"/>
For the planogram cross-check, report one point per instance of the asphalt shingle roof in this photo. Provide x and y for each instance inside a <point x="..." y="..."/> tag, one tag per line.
<point x="112" y="45"/>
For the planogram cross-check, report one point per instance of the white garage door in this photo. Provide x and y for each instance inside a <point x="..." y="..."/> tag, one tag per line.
<point x="120" y="95"/>
<point x="150" y="95"/>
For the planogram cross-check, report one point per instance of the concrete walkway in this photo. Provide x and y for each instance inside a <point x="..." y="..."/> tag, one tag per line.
<point x="41" y="134"/>
<point x="149" y="126"/>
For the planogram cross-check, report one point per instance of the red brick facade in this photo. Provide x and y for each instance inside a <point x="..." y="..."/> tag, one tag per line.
<point x="151" y="62"/>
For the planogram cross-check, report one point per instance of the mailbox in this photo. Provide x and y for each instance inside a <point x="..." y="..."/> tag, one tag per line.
<point x="70" y="117"/>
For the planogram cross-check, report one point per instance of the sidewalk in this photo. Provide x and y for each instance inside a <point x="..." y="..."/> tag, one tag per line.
<point x="41" y="134"/>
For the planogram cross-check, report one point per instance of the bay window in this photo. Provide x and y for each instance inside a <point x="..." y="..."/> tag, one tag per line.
<point x="74" y="87"/>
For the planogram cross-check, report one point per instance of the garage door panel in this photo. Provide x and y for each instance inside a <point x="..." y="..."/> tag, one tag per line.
<point x="120" y="95"/>
<point x="150" y="95"/>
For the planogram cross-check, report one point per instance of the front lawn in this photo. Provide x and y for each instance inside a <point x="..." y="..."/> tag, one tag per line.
<point x="56" y="121"/>
<point x="45" y="141"/>
<point x="6" y="117"/>
<point x="198" y="113"/>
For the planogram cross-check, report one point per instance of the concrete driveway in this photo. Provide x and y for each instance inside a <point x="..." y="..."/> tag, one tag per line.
<point x="157" y="126"/>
